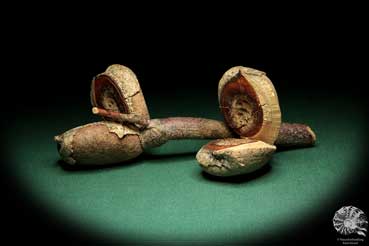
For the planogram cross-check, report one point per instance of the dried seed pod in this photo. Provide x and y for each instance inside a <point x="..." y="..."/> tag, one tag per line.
<point x="231" y="156"/>
<point x="249" y="104"/>
<point x="99" y="143"/>
<point x="118" y="90"/>
<point x="250" y="107"/>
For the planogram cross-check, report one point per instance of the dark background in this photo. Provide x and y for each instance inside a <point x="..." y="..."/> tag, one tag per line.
<point x="52" y="57"/>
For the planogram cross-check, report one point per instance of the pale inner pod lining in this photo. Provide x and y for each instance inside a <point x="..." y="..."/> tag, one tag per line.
<point x="108" y="101"/>
<point x="244" y="112"/>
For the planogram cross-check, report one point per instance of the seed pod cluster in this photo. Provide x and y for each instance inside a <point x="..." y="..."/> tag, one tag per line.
<point x="247" y="100"/>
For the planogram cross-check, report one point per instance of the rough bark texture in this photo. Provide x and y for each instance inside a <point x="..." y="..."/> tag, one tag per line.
<point x="121" y="118"/>
<point x="99" y="143"/>
<point x="188" y="127"/>
<point x="160" y="131"/>
<point x="290" y="135"/>
<point x="231" y="156"/>
<point x="295" y="135"/>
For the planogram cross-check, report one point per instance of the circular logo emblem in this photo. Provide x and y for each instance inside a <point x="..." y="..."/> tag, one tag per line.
<point x="348" y="220"/>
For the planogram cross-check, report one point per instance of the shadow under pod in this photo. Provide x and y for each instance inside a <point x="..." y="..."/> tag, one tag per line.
<point x="85" y="167"/>
<point x="239" y="179"/>
<point x="155" y="157"/>
<point x="136" y="161"/>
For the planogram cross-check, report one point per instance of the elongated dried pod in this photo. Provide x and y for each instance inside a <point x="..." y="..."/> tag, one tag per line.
<point x="99" y="143"/>
<point x="118" y="90"/>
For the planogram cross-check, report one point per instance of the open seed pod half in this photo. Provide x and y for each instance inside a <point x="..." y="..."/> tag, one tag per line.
<point x="231" y="156"/>
<point x="118" y="90"/>
<point x="249" y="104"/>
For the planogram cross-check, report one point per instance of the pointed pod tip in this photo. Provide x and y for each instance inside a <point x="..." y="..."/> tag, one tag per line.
<point x="312" y="134"/>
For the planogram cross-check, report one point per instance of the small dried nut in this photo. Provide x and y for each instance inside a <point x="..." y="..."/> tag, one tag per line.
<point x="231" y="156"/>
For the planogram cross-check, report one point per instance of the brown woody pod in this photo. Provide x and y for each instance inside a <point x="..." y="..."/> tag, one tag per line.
<point x="249" y="104"/>
<point x="231" y="156"/>
<point x="99" y="143"/>
<point x="118" y="90"/>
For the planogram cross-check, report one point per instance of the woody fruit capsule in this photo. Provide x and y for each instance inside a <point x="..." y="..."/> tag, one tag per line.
<point x="127" y="129"/>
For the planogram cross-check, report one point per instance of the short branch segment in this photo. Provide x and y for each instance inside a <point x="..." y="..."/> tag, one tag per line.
<point x="188" y="127"/>
<point x="295" y="135"/>
<point x="121" y="118"/>
<point x="159" y="131"/>
<point x="290" y="135"/>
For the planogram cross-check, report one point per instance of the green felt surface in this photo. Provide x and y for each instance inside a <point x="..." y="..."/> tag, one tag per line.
<point x="164" y="196"/>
